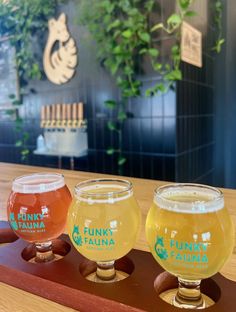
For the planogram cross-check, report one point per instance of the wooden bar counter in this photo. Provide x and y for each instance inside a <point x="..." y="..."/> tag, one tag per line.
<point x="16" y="300"/>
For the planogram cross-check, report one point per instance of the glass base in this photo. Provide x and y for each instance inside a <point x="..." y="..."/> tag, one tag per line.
<point x="120" y="275"/>
<point x="55" y="258"/>
<point x="169" y="297"/>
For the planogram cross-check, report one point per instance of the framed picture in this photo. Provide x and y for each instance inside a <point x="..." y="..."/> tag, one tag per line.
<point x="9" y="82"/>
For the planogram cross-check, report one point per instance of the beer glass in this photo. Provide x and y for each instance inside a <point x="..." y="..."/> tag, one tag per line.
<point x="37" y="209"/>
<point x="190" y="234"/>
<point x="103" y="223"/>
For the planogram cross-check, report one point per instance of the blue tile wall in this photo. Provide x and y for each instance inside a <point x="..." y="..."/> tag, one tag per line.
<point x="169" y="137"/>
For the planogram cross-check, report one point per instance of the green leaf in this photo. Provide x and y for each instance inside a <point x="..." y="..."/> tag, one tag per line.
<point x="25" y="152"/>
<point x="157" y="26"/>
<point x="149" y="5"/>
<point x="133" y="12"/>
<point x="175" y="74"/>
<point x="26" y="136"/>
<point x="122" y="116"/>
<point x="190" y="13"/>
<point x="111" y="126"/>
<point x="115" y="24"/>
<point x="218" y="45"/>
<point x="16" y="102"/>
<point x="167" y="67"/>
<point x="11" y="96"/>
<point x="149" y="92"/>
<point x="116" y="34"/>
<point x="117" y="49"/>
<point x="127" y="34"/>
<point x="10" y="112"/>
<point x="110" y="151"/>
<point x="142" y="51"/>
<point x="184" y="4"/>
<point x="157" y="66"/>
<point x="145" y="37"/>
<point x="110" y="104"/>
<point x="114" y="68"/>
<point x="175" y="50"/>
<point x="174" y="20"/>
<point x="18" y="143"/>
<point x="153" y="52"/>
<point x="128" y="70"/>
<point x="121" y="160"/>
<point x="160" y="87"/>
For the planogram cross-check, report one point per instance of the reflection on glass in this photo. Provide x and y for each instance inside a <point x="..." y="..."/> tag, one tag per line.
<point x="190" y="235"/>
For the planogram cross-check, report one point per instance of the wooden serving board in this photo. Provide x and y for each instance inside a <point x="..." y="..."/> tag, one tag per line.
<point x="62" y="281"/>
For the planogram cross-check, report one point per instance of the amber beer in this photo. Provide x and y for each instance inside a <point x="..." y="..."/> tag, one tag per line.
<point x="189" y="231"/>
<point x="37" y="206"/>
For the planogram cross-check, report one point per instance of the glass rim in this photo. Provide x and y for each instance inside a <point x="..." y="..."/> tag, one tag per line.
<point x="201" y="186"/>
<point x="79" y="187"/>
<point x="215" y="202"/>
<point x="21" y="184"/>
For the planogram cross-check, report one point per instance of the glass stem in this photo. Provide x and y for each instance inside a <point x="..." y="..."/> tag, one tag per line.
<point x="44" y="252"/>
<point x="106" y="270"/>
<point x="189" y="294"/>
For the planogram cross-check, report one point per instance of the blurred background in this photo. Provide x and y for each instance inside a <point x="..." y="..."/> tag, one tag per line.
<point x="145" y="112"/>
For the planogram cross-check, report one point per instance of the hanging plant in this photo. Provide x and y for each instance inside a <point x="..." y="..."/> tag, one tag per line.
<point x="122" y="31"/>
<point x="218" y="24"/>
<point x="125" y="34"/>
<point x="23" y="22"/>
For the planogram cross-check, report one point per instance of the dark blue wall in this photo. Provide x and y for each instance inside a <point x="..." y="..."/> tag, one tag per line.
<point x="225" y="99"/>
<point x="170" y="137"/>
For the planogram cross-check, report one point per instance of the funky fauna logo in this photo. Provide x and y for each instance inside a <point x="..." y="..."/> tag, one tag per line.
<point x="160" y="248"/>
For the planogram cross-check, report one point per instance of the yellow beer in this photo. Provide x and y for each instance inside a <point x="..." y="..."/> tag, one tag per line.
<point x="189" y="231"/>
<point x="103" y="220"/>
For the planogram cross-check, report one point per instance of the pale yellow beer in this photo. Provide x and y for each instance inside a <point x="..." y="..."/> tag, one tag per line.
<point x="103" y="220"/>
<point x="189" y="231"/>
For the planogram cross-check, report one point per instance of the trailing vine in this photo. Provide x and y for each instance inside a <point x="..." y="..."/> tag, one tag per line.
<point x="125" y="34"/>
<point x="218" y="24"/>
<point x="24" y="22"/>
<point x="124" y="31"/>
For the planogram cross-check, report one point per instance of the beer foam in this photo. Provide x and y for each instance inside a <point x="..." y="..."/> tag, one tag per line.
<point x="38" y="183"/>
<point x="203" y="200"/>
<point x="93" y="193"/>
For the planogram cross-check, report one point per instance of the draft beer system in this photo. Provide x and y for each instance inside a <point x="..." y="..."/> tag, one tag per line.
<point x="63" y="281"/>
<point x="65" y="130"/>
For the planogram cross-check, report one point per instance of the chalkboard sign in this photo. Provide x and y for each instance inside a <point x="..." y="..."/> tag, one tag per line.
<point x="8" y="74"/>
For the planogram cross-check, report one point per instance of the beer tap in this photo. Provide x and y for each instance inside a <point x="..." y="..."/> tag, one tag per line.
<point x="43" y="117"/>
<point x="47" y="117"/>
<point x="68" y="115"/>
<point x="64" y="119"/>
<point x="53" y="117"/>
<point x="80" y="114"/>
<point x="74" y="115"/>
<point x="58" y="116"/>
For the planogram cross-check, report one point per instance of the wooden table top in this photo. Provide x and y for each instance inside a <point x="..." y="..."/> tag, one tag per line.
<point x="13" y="299"/>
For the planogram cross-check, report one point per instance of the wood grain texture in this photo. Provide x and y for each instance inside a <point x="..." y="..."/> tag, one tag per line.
<point x="13" y="299"/>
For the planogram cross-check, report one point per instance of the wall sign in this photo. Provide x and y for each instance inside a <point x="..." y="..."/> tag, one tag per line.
<point x="59" y="62"/>
<point x="191" y="45"/>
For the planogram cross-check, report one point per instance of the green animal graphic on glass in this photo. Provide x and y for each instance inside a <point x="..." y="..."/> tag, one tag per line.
<point x="161" y="252"/>
<point x="77" y="238"/>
